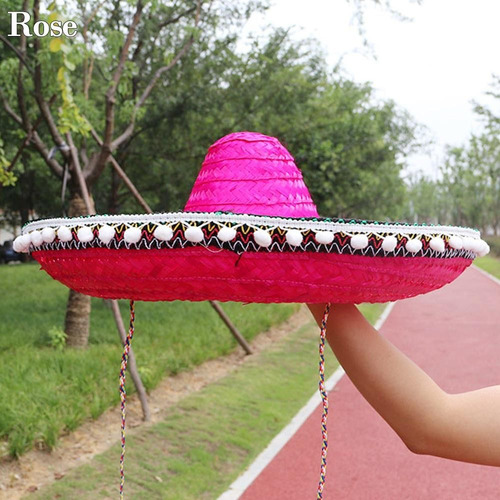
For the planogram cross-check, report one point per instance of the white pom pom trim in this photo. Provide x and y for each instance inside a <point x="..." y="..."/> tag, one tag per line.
<point x="294" y="237"/>
<point x="25" y="240"/>
<point x="468" y="244"/>
<point x="485" y="250"/>
<point x="226" y="234"/>
<point x="478" y="246"/>
<point x="359" y="241"/>
<point x="437" y="244"/>
<point x="48" y="234"/>
<point x="413" y="246"/>
<point x="468" y="241"/>
<point x="106" y="233"/>
<point x="456" y="242"/>
<point x="324" y="237"/>
<point x="194" y="234"/>
<point x="262" y="238"/>
<point x="85" y="234"/>
<point x="64" y="234"/>
<point x="18" y="245"/>
<point x="390" y="243"/>
<point x="36" y="238"/>
<point x="22" y="243"/>
<point x="163" y="233"/>
<point x="132" y="234"/>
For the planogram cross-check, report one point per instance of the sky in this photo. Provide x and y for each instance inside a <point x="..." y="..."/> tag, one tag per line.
<point x="433" y="66"/>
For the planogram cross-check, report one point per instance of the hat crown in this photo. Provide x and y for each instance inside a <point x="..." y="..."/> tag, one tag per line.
<point x="250" y="173"/>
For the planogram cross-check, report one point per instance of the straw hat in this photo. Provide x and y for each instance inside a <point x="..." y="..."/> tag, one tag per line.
<point x="249" y="232"/>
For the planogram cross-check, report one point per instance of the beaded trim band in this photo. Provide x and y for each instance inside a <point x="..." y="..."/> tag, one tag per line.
<point x="240" y="233"/>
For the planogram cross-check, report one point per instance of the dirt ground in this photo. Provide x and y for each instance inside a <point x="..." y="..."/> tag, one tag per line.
<point x="38" y="467"/>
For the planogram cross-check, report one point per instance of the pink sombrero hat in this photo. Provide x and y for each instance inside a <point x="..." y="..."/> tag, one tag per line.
<point x="249" y="232"/>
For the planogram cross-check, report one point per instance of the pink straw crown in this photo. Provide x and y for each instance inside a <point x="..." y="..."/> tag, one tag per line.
<point x="250" y="173"/>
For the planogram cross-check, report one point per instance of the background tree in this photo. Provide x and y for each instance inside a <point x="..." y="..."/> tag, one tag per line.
<point x="350" y="147"/>
<point x="467" y="191"/>
<point x="490" y="146"/>
<point x="100" y="82"/>
<point x="423" y="200"/>
<point x="154" y="84"/>
<point x="471" y="183"/>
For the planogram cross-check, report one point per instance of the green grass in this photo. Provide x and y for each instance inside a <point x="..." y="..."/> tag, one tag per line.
<point x="210" y="437"/>
<point x="46" y="392"/>
<point x="490" y="264"/>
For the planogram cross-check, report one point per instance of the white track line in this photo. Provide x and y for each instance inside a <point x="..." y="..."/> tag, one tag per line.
<point x="237" y="488"/>
<point x="482" y="271"/>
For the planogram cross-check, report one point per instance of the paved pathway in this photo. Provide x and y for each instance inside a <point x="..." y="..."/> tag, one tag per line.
<point x="454" y="335"/>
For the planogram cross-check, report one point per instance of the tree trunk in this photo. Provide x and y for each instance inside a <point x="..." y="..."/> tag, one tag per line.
<point x="77" y="321"/>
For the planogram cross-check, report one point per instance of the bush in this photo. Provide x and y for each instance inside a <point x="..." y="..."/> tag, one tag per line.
<point x="57" y="338"/>
<point x="494" y="243"/>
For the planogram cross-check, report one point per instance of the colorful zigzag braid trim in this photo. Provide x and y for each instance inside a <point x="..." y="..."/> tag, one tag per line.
<point x="324" y="397"/>
<point x="123" y="369"/>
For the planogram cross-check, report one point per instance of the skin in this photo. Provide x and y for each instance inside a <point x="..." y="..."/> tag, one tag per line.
<point x="430" y="421"/>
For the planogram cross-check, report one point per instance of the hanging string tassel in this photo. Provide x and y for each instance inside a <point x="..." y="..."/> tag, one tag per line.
<point x="324" y="397"/>
<point x="123" y="369"/>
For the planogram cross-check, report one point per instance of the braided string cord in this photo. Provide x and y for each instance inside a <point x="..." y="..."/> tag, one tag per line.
<point x="123" y="369"/>
<point x="324" y="397"/>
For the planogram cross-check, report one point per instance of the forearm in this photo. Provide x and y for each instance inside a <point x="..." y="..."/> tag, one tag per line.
<point x="427" y="419"/>
<point x="396" y="388"/>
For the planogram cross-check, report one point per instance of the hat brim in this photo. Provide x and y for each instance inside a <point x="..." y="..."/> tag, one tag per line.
<point x="197" y="274"/>
<point x="269" y="259"/>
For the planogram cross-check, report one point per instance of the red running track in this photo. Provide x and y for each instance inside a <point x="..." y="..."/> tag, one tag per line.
<point x="454" y="335"/>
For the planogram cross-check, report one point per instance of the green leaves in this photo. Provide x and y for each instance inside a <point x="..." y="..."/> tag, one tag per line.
<point x="70" y="117"/>
<point x="57" y="338"/>
<point x="55" y="44"/>
<point x="468" y="190"/>
<point x="347" y="144"/>
<point x="7" y="177"/>
<point x="69" y="65"/>
<point x="53" y="16"/>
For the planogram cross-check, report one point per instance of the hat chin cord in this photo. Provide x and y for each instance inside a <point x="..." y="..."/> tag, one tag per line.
<point x="123" y="394"/>
<point x="324" y="398"/>
<point x="322" y="391"/>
